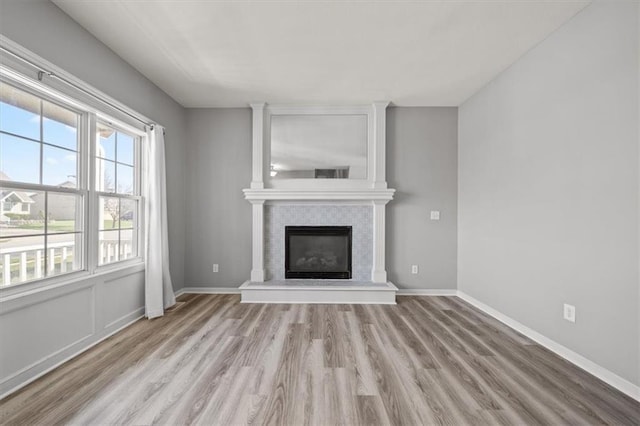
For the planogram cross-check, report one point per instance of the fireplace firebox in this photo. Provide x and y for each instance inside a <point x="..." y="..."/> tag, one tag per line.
<point x="320" y="252"/>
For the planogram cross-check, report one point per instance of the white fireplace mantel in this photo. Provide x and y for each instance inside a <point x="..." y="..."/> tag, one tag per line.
<point x="371" y="191"/>
<point x="365" y="196"/>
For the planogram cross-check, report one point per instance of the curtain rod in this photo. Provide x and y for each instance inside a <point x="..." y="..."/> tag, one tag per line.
<point x="43" y="72"/>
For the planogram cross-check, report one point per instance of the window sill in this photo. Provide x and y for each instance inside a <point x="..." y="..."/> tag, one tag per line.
<point x="118" y="266"/>
<point x="70" y="281"/>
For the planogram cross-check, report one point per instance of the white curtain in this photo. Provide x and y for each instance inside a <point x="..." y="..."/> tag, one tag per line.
<point x="158" y="288"/>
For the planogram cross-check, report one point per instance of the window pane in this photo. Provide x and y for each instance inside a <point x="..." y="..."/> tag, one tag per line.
<point x="19" y="112"/>
<point x="108" y="249"/>
<point x="21" y="259"/>
<point x="106" y="141"/>
<point x="109" y="209"/>
<point x="65" y="213"/>
<point x="105" y="175"/>
<point x="59" y="167"/>
<point x="128" y="244"/>
<point x="128" y="213"/>
<point x="125" y="148"/>
<point x="59" y="126"/>
<point x="22" y="212"/>
<point x="64" y="253"/>
<point x="19" y="159"/>
<point x="125" y="179"/>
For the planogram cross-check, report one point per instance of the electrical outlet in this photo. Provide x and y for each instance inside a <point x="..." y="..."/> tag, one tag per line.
<point x="414" y="269"/>
<point x="570" y="313"/>
<point x="435" y="215"/>
<point x="216" y="268"/>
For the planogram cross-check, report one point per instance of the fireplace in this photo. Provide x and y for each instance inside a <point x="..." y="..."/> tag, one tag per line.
<point x="320" y="252"/>
<point x="318" y="240"/>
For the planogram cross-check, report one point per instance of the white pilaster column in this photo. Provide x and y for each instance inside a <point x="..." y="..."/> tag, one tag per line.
<point x="380" y="137"/>
<point x="379" y="273"/>
<point x="257" y="269"/>
<point x="257" y="180"/>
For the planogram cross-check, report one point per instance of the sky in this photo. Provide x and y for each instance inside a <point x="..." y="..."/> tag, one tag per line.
<point x="20" y="150"/>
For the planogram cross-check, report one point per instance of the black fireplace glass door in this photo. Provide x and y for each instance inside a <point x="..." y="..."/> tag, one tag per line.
<point x="318" y="252"/>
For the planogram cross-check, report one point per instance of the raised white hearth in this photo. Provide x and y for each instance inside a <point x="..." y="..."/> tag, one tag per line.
<point x="319" y="291"/>
<point x="359" y="203"/>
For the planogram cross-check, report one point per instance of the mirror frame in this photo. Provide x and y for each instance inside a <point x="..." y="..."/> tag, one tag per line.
<point x="376" y="145"/>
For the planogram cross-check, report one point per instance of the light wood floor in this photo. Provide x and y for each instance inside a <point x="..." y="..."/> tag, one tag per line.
<point x="212" y="360"/>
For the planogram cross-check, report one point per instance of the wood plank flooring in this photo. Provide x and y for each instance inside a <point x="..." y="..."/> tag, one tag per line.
<point x="212" y="360"/>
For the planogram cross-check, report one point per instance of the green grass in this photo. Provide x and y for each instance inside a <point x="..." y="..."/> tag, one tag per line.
<point x="69" y="225"/>
<point x="108" y="224"/>
<point x="52" y="226"/>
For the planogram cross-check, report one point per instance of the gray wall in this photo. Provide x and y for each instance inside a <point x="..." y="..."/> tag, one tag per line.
<point x="217" y="215"/>
<point x="548" y="188"/>
<point x="40" y="330"/>
<point x="44" y="29"/>
<point x="422" y="163"/>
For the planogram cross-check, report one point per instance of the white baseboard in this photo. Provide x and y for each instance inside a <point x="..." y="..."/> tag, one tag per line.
<point x="427" y="292"/>
<point x="589" y="366"/>
<point x="208" y="290"/>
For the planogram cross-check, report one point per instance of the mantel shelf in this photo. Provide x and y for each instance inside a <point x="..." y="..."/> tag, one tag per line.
<point x="270" y="194"/>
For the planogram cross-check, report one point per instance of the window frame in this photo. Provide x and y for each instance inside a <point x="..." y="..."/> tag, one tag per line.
<point x="86" y="134"/>
<point x="94" y="194"/>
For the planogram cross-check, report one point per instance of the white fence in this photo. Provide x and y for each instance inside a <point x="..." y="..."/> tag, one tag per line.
<point x="26" y="263"/>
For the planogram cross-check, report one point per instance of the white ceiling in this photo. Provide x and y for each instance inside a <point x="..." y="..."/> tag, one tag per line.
<point x="207" y="53"/>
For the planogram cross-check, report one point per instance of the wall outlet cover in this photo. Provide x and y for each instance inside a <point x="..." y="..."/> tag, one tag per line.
<point x="435" y="215"/>
<point x="569" y="312"/>
<point x="216" y="268"/>
<point x="414" y="269"/>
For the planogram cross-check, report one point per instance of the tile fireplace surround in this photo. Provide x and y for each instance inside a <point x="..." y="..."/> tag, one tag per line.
<point x="359" y="203"/>
<point x="276" y="217"/>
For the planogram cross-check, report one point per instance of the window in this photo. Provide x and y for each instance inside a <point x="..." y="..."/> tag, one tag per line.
<point x="118" y="193"/>
<point x="54" y="220"/>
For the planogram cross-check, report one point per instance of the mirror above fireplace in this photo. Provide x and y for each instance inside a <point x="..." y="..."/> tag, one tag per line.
<point x="318" y="146"/>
